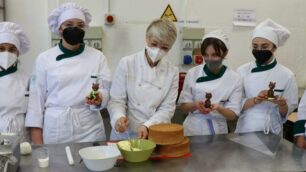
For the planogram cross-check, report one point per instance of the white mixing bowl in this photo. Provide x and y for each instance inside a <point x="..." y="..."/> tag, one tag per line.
<point x="99" y="158"/>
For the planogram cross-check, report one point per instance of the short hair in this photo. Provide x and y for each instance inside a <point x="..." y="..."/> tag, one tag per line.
<point x="217" y="44"/>
<point x="163" y="30"/>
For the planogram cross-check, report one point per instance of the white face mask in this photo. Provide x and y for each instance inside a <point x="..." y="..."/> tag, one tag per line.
<point x="7" y="59"/>
<point x="155" y="53"/>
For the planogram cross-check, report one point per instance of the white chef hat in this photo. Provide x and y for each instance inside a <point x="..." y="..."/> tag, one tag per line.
<point x="272" y="31"/>
<point x="13" y="34"/>
<point x="219" y="35"/>
<point x="65" y="12"/>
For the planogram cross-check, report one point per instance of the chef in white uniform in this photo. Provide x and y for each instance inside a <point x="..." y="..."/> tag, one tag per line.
<point x="145" y="85"/>
<point x="62" y="79"/>
<point x="258" y="114"/>
<point x="13" y="81"/>
<point x="300" y="125"/>
<point x="212" y="77"/>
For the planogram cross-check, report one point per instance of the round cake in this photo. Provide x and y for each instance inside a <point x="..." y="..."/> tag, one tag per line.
<point x="166" y="134"/>
<point x="175" y="150"/>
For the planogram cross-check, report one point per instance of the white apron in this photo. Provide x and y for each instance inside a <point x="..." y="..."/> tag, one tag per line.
<point x="67" y="124"/>
<point x="265" y="116"/>
<point x="226" y="91"/>
<point x="57" y="100"/>
<point x="197" y="123"/>
<point x="13" y="103"/>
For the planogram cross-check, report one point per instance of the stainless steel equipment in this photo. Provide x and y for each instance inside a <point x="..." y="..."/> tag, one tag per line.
<point x="216" y="153"/>
<point x="9" y="152"/>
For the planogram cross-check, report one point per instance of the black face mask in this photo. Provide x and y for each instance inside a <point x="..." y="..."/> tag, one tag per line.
<point x="262" y="56"/>
<point x="73" y="35"/>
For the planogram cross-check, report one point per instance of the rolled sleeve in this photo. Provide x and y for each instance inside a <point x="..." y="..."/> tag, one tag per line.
<point x="299" y="128"/>
<point x="117" y="105"/>
<point x="234" y="102"/>
<point x="37" y="98"/>
<point x="186" y="94"/>
<point x="299" y="125"/>
<point x="291" y="94"/>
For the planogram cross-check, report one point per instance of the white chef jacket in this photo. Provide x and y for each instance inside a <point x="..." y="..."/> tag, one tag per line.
<point x="226" y="90"/>
<point x="145" y="95"/>
<point x="265" y="116"/>
<point x="13" y="103"/>
<point x="300" y="124"/>
<point x="57" y="96"/>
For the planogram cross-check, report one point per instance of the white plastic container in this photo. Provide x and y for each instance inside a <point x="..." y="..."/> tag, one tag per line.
<point x="99" y="158"/>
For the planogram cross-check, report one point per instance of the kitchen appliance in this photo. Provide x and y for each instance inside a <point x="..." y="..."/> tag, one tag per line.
<point x="9" y="152"/>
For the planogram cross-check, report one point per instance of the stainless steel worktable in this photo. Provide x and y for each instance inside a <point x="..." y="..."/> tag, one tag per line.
<point x="209" y="153"/>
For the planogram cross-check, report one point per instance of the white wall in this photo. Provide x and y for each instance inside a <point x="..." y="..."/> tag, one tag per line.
<point x="33" y="21"/>
<point x="133" y="16"/>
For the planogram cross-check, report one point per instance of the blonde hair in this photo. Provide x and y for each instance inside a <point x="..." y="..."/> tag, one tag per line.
<point x="163" y="30"/>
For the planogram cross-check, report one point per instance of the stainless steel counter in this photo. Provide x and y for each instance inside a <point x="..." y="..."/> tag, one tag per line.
<point x="209" y="153"/>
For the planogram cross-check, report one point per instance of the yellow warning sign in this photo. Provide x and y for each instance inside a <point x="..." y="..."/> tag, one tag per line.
<point x="169" y="14"/>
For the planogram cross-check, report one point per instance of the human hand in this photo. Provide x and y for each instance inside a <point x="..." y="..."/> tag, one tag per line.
<point x="97" y="101"/>
<point x="280" y="101"/>
<point x="201" y="107"/>
<point x="262" y="96"/>
<point x="215" y="106"/>
<point x="142" y="132"/>
<point x="122" y="124"/>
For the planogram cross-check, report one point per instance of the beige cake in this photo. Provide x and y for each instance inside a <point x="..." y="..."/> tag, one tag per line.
<point x="174" y="150"/>
<point x="166" y="134"/>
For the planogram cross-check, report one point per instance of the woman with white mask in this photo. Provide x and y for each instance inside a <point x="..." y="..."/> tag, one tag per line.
<point x="13" y="81"/>
<point x="145" y="85"/>
<point x="63" y="76"/>
<point x="259" y="111"/>
<point x="214" y="78"/>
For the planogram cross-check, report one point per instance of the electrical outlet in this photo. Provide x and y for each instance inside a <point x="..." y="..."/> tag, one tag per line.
<point x="187" y="45"/>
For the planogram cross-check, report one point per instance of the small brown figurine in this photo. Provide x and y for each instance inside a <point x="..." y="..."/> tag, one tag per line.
<point x="94" y="96"/>
<point x="207" y="101"/>
<point x="271" y="95"/>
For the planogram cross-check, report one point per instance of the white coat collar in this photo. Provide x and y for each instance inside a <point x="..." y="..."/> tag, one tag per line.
<point x="160" y="70"/>
<point x="255" y="65"/>
<point x="144" y="61"/>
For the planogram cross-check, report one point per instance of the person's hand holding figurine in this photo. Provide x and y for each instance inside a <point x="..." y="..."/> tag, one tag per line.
<point x="271" y="95"/>
<point x="279" y="100"/>
<point x="205" y="107"/>
<point x="268" y="95"/>
<point x="207" y="101"/>
<point x="95" y="97"/>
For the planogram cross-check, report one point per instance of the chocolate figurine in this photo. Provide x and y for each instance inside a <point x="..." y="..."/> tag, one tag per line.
<point x="207" y="101"/>
<point x="271" y="95"/>
<point x="94" y="94"/>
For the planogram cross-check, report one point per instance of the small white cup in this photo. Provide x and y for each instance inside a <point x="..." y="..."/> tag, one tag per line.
<point x="42" y="157"/>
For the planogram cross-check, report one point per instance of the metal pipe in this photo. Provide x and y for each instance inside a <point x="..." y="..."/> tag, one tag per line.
<point x="108" y="7"/>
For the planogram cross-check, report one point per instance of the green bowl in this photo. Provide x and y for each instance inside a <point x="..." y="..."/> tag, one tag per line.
<point x="141" y="151"/>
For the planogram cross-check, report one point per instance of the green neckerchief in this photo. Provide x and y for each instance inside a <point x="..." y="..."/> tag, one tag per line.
<point x="10" y="70"/>
<point x="69" y="53"/>
<point x="260" y="68"/>
<point x="211" y="76"/>
<point x="299" y="127"/>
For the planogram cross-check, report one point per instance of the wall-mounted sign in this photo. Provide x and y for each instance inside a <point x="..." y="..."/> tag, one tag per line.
<point x="244" y="17"/>
<point x="169" y="14"/>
